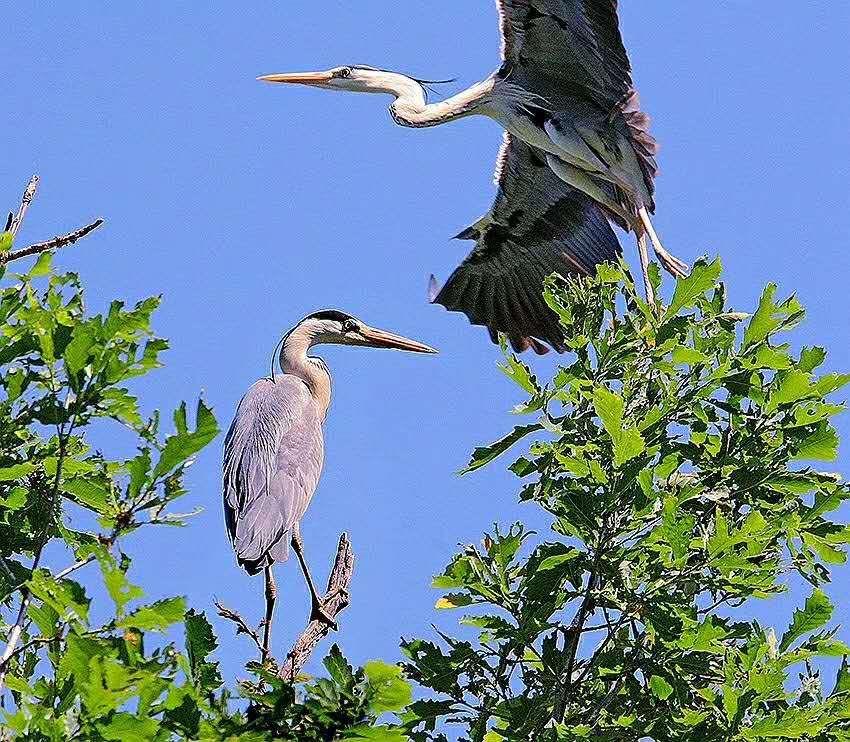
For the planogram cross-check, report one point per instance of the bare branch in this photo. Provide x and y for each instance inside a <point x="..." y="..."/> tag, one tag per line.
<point x="7" y="573"/>
<point x="335" y="601"/>
<point x="242" y="626"/>
<point x="57" y="242"/>
<point x="26" y="200"/>
<point x="14" y="637"/>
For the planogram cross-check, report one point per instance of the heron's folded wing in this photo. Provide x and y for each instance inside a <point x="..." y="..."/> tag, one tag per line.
<point x="273" y="457"/>
<point x="538" y="225"/>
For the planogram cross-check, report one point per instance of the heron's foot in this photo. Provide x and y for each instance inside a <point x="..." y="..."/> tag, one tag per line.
<point x="675" y="267"/>
<point x="318" y="613"/>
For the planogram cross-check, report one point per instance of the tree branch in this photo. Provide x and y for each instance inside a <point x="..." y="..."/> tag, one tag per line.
<point x="335" y="601"/>
<point x="26" y="200"/>
<point x="57" y="242"/>
<point x="7" y="573"/>
<point x="242" y="626"/>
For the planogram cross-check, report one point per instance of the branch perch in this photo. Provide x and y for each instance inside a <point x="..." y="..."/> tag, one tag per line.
<point x="334" y="602"/>
<point x="57" y="242"/>
<point x="13" y="224"/>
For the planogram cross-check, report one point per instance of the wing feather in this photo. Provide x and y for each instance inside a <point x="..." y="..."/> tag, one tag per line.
<point x="571" y="53"/>
<point x="571" y="43"/>
<point x="273" y="457"/>
<point x="538" y="225"/>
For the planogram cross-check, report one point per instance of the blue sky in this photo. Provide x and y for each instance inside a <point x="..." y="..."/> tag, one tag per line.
<point x="247" y="207"/>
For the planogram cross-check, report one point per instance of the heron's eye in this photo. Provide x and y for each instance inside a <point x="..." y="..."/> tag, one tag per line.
<point x="343" y="72"/>
<point x="349" y="325"/>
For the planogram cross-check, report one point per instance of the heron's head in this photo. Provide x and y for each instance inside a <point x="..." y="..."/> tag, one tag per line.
<point x="356" y="78"/>
<point x="333" y="327"/>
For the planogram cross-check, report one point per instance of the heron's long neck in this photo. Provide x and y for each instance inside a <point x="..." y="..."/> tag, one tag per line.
<point x="411" y="108"/>
<point x="311" y="370"/>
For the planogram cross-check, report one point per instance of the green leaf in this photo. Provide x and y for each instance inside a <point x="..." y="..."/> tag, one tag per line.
<point x="702" y="278"/>
<point x="688" y="356"/>
<point x="200" y="643"/>
<point x="185" y="443"/>
<point x="77" y="352"/>
<point x="388" y="690"/>
<point x="828" y="553"/>
<point x="18" y="471"/>
<point x="770" y="316"/>
<point x="660" y="687"/>
<point x="43" y="266"/>
<point x="517" y="371"/>
<point x="816" y="613"/>
<point x="156" y="616"/>
<point x="377" y="734"/>
<point x="812" y="358"/>
<point x="6" y="241"/>
<point x="91" y="493"/>
<point x="628" y="442"/>
<point x="339" y="668"/>
<point x="120" y="589"/>
<point x="730" y="701"/>
<point x="483" y="456"/>
<point x="66" y="597"/>
<point x="820" y="445"/>
<point x="452" y="601"/>
<point x="124" y="727"/>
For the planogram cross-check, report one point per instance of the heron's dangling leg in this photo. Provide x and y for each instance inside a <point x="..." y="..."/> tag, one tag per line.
<point x="644" y="266"/>
<point x="671" y="263"/>
<point x="317" y="612"/>
<point x="271" y="597"/>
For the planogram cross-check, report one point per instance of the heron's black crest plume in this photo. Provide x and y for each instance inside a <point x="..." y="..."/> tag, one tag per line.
<point x="332" y="314"/>
<point x="422" y="83"/>
<point x="274" y="354"/>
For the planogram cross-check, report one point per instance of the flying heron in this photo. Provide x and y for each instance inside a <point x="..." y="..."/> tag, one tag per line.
<point x="575" y="139"/>
<point x="274" y="450"/>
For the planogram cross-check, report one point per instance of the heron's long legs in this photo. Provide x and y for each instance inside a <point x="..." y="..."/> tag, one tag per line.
<point x="271" y="597"/>
<point x="644" y="266"/>
<point x="671" y="263"/>
<point x="317" y="612"/>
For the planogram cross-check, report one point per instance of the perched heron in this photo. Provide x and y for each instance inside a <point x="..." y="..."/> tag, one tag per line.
<point x="274" y="450"/>
<point x="576" y="139"/>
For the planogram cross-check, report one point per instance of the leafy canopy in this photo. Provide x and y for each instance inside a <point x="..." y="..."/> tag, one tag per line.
<point x="63" y="371"/>
<point x="673" y="457"/>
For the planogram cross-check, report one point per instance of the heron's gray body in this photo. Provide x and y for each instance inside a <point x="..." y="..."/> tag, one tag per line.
<point x="274" y="450"/>
<point x="273" y="458"/>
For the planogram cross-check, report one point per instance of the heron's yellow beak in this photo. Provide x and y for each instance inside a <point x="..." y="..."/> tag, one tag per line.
<point x="300" y="78"/>
<point x="376" y="338"/>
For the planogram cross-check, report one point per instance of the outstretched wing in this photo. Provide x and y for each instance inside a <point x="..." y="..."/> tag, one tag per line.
<point x="538" y="225"/>
<point x="557" y="45"/>
<point x="571" y="54"/>
<point x="273" y="457"/>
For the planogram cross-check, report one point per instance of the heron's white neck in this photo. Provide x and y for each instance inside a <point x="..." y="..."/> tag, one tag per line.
<point x="310" y="369"/>
<point x="411" y="108"/>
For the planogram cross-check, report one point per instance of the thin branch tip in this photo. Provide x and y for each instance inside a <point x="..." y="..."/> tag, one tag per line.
<point x="52" y="244"/>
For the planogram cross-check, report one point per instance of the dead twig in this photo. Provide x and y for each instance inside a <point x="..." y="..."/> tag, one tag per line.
<point x="242" y="626"/>
<point x="335" y="601"/>
<point x="57" y="242"/>
<point x="14" y="224"/>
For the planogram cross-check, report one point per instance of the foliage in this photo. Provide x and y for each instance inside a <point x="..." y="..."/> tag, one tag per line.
<point x="672" y="461"/>
<point x="671" y="455"/>
<point x="63" y="373"/>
